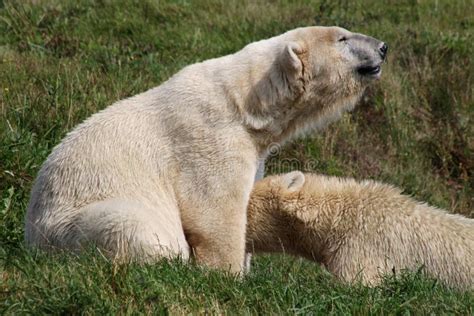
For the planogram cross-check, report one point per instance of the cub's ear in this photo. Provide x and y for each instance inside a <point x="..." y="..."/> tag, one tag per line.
<point x="293" y="181"/>
<point x="292" y="59"/>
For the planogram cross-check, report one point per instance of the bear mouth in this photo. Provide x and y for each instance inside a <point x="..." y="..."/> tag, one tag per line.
<point x="369" y="70"/>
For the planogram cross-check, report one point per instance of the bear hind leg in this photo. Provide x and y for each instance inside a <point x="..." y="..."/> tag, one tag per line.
<point x="130" y="230"/>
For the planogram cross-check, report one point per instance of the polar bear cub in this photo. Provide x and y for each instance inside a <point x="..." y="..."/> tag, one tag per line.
<point x="178" y="162"/>
<point x="359" y="230"/>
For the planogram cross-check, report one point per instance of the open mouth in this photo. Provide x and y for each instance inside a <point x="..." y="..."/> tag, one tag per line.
<point x="369" y="70"/>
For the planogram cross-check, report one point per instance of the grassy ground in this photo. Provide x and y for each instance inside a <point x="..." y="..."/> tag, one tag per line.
<point x="61" y="61"/>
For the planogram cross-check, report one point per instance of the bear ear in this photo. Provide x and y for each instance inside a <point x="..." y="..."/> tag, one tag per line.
<point x="293" y="181"/>
<point x="292" y="57"/>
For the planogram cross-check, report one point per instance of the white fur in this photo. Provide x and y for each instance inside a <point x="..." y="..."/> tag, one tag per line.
<point x="177" y="162"/>
<point x="359" y="230"/>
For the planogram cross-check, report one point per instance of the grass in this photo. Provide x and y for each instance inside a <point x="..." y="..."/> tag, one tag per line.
<point x="61" y="61"/>
<point x="89" y="284"/>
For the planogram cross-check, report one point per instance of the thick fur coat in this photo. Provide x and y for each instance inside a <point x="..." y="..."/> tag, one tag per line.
<point x="359" y="230"/>
<point x="178" y="162"/>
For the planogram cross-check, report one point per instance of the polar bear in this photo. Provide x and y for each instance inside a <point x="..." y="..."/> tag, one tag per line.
<point x="359" y="230"/>
<point x="177" y="162"/>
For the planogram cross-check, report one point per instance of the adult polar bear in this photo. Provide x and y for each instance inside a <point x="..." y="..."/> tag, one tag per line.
<point x="177" y="163"/>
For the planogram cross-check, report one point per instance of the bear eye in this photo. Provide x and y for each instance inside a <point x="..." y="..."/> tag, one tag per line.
<point x="342" y="39"/>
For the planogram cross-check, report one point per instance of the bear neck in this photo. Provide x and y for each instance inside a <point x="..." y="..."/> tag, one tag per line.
<point x="263" y="98"/>
<point x="302" y="113"/>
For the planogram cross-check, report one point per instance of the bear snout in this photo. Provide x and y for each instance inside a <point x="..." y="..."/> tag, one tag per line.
<point x="383" y="49"/>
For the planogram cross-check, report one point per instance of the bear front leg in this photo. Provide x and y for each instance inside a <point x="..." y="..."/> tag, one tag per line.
<point x="258" y="176"/>
<point x="215" y="222"/>
<point x="222" y="243"/>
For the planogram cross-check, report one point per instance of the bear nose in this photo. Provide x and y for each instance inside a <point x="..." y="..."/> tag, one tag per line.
<point x="383" y="50"/>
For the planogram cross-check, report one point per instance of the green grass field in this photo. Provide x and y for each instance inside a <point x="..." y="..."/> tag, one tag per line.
<point x="61" y="61"/>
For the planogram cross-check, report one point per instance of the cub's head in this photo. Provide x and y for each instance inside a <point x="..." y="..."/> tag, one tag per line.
<point x="271" y="209"/>
<point x="274" y="189"/>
